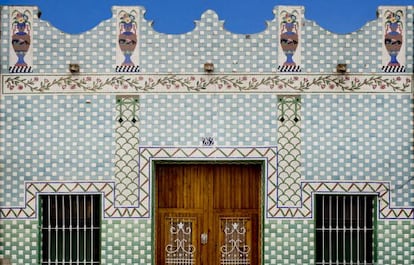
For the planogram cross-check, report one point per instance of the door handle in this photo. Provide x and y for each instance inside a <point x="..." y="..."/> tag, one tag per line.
<point x="204" y="238"/>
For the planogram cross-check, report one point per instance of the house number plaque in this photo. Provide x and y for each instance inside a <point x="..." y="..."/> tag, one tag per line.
<point x="207" y="141"/>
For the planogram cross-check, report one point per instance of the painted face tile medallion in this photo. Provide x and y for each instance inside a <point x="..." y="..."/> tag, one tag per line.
<point x="20" y="55"/>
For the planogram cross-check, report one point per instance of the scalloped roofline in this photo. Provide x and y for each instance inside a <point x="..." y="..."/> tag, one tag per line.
<point x="203" y="17"/>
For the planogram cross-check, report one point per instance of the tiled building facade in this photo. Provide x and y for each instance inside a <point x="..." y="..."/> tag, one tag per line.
<point x="280" y="98"/>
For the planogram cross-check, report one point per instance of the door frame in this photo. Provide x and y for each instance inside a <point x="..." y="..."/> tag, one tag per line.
<point x="259" y="161"/>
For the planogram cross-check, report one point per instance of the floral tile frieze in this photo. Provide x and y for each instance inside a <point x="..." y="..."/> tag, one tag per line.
<point x="182" y="83"/>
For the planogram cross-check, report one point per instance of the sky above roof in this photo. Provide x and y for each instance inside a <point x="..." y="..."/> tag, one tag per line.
<point x="240" y="16"/>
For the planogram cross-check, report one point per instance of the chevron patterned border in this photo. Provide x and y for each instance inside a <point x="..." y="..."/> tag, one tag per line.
<point x="34" y="188"/>
<point x="147" y="155"/>
<point x="382" y="189"/>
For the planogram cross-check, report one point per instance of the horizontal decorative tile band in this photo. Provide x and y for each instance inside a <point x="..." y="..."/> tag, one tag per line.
<point x="249" y="83"/>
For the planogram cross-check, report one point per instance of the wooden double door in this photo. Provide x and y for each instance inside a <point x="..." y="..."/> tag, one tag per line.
<point x="208" y="214"/>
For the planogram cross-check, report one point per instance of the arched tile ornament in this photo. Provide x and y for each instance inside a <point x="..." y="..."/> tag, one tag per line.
<point x="127" y="133"/>
<point x="127" y="38"/>
<point x="393" y="24"/>
<point x="289" y="47"/>
<point x="289" y="146"/>
<point x="21" y="36"/>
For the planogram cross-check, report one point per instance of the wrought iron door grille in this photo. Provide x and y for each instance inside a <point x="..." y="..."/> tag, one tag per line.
<point x="70" y="229"/>
<point x="345" y="229"/>
<point x="235" y="248"/>
<point x="180" y="249"/>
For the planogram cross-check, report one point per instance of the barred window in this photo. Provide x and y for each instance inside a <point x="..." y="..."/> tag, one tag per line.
<point x="70" y="229"/>
<point x="345" y="229"/>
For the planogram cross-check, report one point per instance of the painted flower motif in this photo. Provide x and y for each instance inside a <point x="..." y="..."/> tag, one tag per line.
<point x="20" y="22"/>
<point x="288" y="18"/>
<point x="20" y="18"/>
<point x="127" y="18"/>
<point x="394" y="17"/>
<point x="289" y="21"/>
<point x="176" y="82"/>
<point x="393" y="21"/>
<point x="127" y="23"/>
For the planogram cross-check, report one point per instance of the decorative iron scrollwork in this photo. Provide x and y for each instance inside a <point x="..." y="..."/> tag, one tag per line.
<point x="180" y="248"/>
<point x="235" y="249"/>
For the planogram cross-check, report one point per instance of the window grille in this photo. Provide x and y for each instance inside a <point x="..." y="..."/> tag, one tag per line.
<point x="345" y="229"/>
<point x="70" y="229"/>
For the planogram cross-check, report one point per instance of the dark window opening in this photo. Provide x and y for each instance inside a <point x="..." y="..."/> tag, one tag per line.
<point x="70" y="229"/>
<point x="345" y="229"/>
